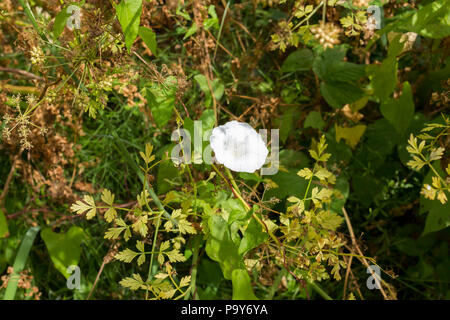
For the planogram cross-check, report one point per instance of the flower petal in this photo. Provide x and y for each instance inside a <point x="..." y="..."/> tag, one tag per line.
<point x="238" y="147"/>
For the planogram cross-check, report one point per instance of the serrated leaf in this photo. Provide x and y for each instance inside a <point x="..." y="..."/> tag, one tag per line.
<point x="293" y="199"/>
<point x="126" y="255"/>
<point x="329" y="220"/>
<point x="438" y="216"/>
<point x="175" y="256"/>
<point x="160" y="258"/>
<point x="110" y="214"/>
<point x="140" y="246"/>
<point x="185" y="227"/>
<point x="133" y="283"/>
<point x="140" y="226"/>
<point x="80" y="207"/>
<point x="164" y="246"/>
<point x="114" y="233"/>
<point x="107" y="197"/>
<point x="185" y="281"/>
<point x="305" y="173"/>
<point x="141" y="259"/>
<point x="436" y="154"/>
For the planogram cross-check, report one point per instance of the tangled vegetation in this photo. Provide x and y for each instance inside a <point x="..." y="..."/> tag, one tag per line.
<point x="102" y="198"/>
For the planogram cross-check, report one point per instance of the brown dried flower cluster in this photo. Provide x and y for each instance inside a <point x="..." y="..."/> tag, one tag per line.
<point x="25" y="282"/>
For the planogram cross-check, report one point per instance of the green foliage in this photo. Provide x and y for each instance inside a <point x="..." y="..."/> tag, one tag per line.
<point x="399" y="112"/>
<point x="86" y="153"/>
<point x="221" y="248"/>
<point x="19" y="262"/>
<point x="210" y="88"/>
<point x="149" y="38"/>
<point x="436" y="184"/>
<point x="300" y="60"/>
<point x="339" y="78"/>
<point x="314" y="120"/>
<point x="162" y="100"/>
<point x="129" y="16"/>
<point x="64" y="248"/>
<point x="3" y="225"/>
<point x="242" y="289"/>
<point x="60" y="22"/>
<point x="384" y="77"/>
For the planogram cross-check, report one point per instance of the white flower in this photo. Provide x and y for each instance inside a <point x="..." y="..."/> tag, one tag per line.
<point x="238" y="147"/>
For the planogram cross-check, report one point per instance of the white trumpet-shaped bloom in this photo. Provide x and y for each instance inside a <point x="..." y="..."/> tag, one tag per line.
<point x="238" y="147"/>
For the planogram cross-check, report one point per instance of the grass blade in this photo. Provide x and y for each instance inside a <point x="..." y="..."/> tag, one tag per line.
<point x="19" y="263"/>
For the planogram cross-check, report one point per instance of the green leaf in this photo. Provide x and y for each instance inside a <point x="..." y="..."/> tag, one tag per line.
<point x="338" y="93"/>
<point x="384" y="77"/>
<point x="300" y="60"/>
<point x="64" y="248"/>
<point x="217" y="87"/>
<point x="253" y="237"/>
<point x="129" y="16"/>
<point x="126" y="255"/>
<point x="351" y="135"/>
<point x="191" y="31"/>
<point x="343" y="186"/>
<point x="430" y="21"/>
<point x="60" y="22"/>
<point x="161" y="98"/>
<point x="167" y="175"/>
<point x="221" y="248"/>
<point x="314" y="120"/>
<point x="4" y="231"/>
<point x="286" y="122"/>
<point x="438" y="214"/>
<point x="399" y="112"/>
<point x="149" y="38"/>
<point x="329" y="220"/>
<point x="242" y="287"/>
<point x="133" y="283"/>
<point x="339" y="78"/>
<point x="289" y="184"/>
<point x="329" y="67"/>
<point x="212" y="22"/>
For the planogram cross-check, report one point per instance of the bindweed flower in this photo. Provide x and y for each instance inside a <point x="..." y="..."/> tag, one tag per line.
<point x="238" y="147"/>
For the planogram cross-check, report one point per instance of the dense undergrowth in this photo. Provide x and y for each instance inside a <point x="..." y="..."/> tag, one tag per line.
<point x="91" y="113"/>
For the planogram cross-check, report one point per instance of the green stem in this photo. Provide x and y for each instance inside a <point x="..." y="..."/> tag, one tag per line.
<point x="319" y="290"/>
<point x="309" y="16"/>
<point x="324" y="12"/>
<point x="194" y="273"/>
